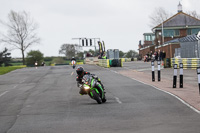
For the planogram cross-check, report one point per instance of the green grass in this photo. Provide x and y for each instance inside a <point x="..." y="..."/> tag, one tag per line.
<point x="4" y="70"/>
<point x="16" y="64"/>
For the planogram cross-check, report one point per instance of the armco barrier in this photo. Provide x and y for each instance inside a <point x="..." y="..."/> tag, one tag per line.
<point x="104" y="63"/>
<point x="191" y="63"/>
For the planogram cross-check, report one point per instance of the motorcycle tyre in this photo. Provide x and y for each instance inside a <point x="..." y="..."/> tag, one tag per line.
<point x="104" y="99"/>
<point x="96" y="97"/>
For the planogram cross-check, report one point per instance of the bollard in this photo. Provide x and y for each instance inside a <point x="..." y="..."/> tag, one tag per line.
<point x="159" y="78"/>
<point x="153" y="73"/>
<point x="175" y="76"/>
<point x="198" y="74"/>
<point x="181" y="75"/>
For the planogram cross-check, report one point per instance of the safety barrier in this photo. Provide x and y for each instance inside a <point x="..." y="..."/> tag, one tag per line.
<point x="126" y="59"/>
<point x="92" y="60"/>
<point x="77" y="63"/>
<point x="191" y="63"/>
<point x="115" y="62"/>
<point x="104" y="63"/>
<point x="134" y="59"/>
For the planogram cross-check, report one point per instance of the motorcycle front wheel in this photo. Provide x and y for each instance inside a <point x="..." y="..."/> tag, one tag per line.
<point x="96" y="97"/>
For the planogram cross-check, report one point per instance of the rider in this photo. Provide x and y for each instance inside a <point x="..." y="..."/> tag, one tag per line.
<point x="80" y="73"/>
<point x="73" y="60"/>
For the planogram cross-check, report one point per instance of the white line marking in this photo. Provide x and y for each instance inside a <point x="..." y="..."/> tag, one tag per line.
<point x="72" y="73"/>
<point x="3" y="93"/>
<point x="117" y="99"/>
<point x="15" y="86"/>
<point x="22" y="81"/>
<point x="194" y="109"/>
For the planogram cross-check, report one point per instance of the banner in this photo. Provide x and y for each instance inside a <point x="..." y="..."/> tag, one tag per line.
<point x="100" y="47"/>
<point x="104" y="48"/>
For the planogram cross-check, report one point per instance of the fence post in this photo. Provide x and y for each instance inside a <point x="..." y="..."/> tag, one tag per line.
<point x="181" y="75"/>
<point x="153" y="73"/>
<point x="175" y="76"/>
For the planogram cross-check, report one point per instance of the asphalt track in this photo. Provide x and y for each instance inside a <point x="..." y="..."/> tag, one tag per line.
<point x="46" y="100"/>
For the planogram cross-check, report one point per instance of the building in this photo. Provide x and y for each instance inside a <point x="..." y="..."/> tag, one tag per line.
<point x="166" y="34"/>
<point x="189" y="46"/>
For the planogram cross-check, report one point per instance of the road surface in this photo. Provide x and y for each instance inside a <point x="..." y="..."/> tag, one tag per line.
<point x="47" y="100"/>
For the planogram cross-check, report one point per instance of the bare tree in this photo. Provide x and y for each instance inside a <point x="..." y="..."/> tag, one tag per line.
<point x="21" y="31"/>
<point x="193" y="14"/>
<point x="69" y="50"/>
<point x="160" y="14"/>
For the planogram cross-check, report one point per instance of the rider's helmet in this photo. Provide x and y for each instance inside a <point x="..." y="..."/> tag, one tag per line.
<point x="79" y="70"/>
<point x="86" y="79"/>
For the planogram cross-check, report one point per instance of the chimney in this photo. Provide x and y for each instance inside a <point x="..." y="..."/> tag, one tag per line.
<point x="179" y="7"/>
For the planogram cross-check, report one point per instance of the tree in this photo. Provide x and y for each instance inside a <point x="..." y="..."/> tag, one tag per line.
<point x="58" y="60"/>
<point x="121" y="54"/>
<point x="69" y="50"/>
<point x="5" y="57"/>
<point x="21" y="32"/>
<point x="160" y="14"/>
<point x="131" y="54"/>
<point x="194" y="14"/>
<point x="34" y="56"/>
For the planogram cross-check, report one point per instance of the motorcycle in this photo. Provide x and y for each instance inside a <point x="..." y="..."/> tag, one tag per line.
<point x="93" y="88"/>
<point x="73" y="62"/>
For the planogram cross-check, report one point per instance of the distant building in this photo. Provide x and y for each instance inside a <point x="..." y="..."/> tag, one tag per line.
<point x="167" y="33"/>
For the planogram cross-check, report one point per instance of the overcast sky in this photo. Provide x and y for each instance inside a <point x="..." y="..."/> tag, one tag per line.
<point x="119" y="23"/>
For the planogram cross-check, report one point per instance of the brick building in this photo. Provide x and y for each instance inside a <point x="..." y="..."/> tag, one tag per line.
<point x="167" y="33"/>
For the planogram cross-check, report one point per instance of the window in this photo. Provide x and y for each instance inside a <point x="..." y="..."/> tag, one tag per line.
<point x="194" y="31"/>
<point x="168" y="33"/>
<point x="148" y="38"/>
<point x="171" y="33"/>
<point x="189" y="32"/>
<point x="176" y="32"/>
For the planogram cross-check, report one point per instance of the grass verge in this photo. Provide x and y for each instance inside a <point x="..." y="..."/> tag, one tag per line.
<point x="4" y="70"/>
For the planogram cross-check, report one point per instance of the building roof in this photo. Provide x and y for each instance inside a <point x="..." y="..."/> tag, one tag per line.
<point x="180" y="19"/>
<point x="188" y="38"/>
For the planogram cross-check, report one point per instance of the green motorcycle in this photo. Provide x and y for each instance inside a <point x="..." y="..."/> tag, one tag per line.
<point x="93" y="88"/>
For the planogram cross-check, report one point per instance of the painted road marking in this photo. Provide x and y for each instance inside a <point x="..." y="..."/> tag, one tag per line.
<point x="194" y="109"/>
<point x="117" y="99"/>
<point x="15" y="86"/>
<point x="3" y="93"/>
<point x="171" y="95"/>
<point x="72" y="73"/>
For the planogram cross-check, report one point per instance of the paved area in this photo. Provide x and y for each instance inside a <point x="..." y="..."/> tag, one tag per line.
<point x="189" y="93"/>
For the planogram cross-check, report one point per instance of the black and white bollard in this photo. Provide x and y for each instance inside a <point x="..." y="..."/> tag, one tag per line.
<point x="159" y="77"/>
<point x="198" y="74"/>
<point x="181" y="75"/>
<point x="175" y="76"/>
<point x="153" y="73"/>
